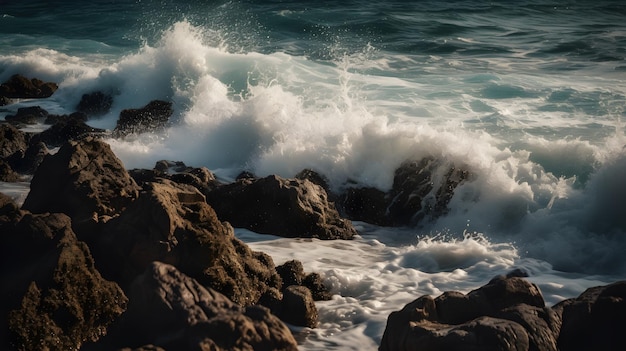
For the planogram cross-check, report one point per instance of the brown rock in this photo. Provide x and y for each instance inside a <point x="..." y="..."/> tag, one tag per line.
<point x="285" y="207"/>
<point x="66" y="130"/>
<point x="12" y="141"/>
<point x="171" y="310"/>
<point x="298" y="307"/>
<point x="18" y="87"/>
<point x="594" y="320"/>
<point x="172" y="223"/>
<point x="84" y="180"/>
<point x="28" y="115"/>
<point x="7" y="174"/>
<point x="57" y="299"/>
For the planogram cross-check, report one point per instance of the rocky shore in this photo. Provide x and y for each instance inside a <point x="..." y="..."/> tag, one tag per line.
<point x="99" y="257"/>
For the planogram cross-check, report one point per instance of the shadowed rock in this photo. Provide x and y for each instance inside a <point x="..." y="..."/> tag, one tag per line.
<point x="171" y="310"/>
<point x="18" y="87"/>
<point x="56" y="298"/>
<point x="28" y="115"/>
<point x="95" y="104"/>
<point x="151" y="117"/>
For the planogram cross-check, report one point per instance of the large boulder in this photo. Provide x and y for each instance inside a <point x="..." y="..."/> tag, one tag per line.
<point x="172" y="223"/>
<point x="595" y="320"/>
<point x="84" y="180"/>
<point x="509" y="313"/>
<point x="171" y="310"/>
<point x="285" y="207"/>
<point x="54" y="298"/>
<point x="20" y="87"/>
<point x="155" y="115"/>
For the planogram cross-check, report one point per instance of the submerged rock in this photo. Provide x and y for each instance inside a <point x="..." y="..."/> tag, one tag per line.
<point x="285" y="207"/>
<point x="171" y="310"/>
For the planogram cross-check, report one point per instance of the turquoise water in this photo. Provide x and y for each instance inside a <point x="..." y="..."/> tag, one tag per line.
<point x="528" y="96"/>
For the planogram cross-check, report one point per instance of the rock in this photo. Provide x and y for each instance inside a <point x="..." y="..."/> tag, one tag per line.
<point x="421" y="190"/>
<point x="171" y="310"/>
<point x="12" y="141"/>
<point x="153" y="116"/>
<point x="56" y="300"/>
<point x="28" y="162"/>
<point x="95" y="104"/>
<point x="84" y="180"/>
<point x="291" y="272"/>
<point x="20" y="87"/>
<point x="319" y="291"/>
<point x="365" y="204"/>
<point x="285" y="207"/>
<point x="64" y="131"/>
<point x="594" y="320"/>
<point x="298" y="307"/>
<point x="28" y="115"/>
<point x="200" y="178"/>
<point x="506" y="314"/>
<point x="77" y="116"/>
<point x="315" y="178"/>
<point x="172" y="223"/>
<point x="5" y="101"/>
<point x="7" y="174"/>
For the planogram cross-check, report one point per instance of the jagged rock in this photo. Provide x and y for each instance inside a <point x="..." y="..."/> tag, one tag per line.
<point x="28" y="115"/>
<point x="171" y="310"/>
<point x="7" y="174"/>
<point x="151" y="117"/>
<point x="594" y="320"/>
<point x="18" y="87"/>
<point x="84" y="180"/>
<point x="421" y="190"/>
<point x="95" y="104"/>
<point x="291" y="272"/>
<point x="54" y="119"/>
<point x="64" y="131"/>
<point x="12" y="141"/>
<point x="201" y="178"/>
<point x="28" y="162"/>
<point x="319" y="291"/>
<point x="506" y="314"/>
<point x="285" y="207"/>
<point x="172" y="223"/>
<point x="56" y="299"/>
<point x="315" y="178"/>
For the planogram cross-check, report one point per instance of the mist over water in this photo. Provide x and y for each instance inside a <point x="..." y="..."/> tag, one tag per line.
<point x="529" y="98"/>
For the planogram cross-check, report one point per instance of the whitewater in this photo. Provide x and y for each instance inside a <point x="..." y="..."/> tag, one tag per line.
<point x="528" y="97"/>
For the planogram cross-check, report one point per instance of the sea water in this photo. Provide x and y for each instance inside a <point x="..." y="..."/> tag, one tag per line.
<point x="528" y="96"/>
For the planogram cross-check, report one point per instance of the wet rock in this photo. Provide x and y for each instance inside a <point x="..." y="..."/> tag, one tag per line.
<point x="84" y="180"/>
<point x="95" y="104"/>
<point x="28" y="162"/>
<point x="365" y="204"/>
<point x="319" y="291"/>
<point x="285" y="207"/>
<point x="298" y="307"/>
<point x="171" y="310"/>
<point x="54" y="119"/>
<point x="153" y="116"/>
<point x="56" y="300"/>
<point x="200" y="178"/>
<point x="7" y="174"/>
<point x="66" y="130"/>
<point x="172" y="223"/>
<point x="506" y="314"/>
<point x="12" y="141"/>
<point x="291" y="272"/>
<point x="20" y="87"/>
<point x="28" y="115"/>
<point x="594" y="320"/>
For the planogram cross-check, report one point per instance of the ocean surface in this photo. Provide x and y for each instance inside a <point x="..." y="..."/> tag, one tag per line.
<point x="527" y="95"/>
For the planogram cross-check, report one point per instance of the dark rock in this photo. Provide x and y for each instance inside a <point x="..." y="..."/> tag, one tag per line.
<point x="153" y="116"/>
<point x="54" y="119"/>
<point x="315" y="178"/>
<point x="594" y="320"/>
<point x="31" y="159"/>
<point x="507" y="314"/>
<point x="319" y="291"/>
<point x="5" y="101"/>
<point x="56" y="299"/>
<point x="18" y="87"/>
<point x="291" y="272"/>
<point x="12" y="141"/>
<point x="172" y="223"/>
<point x="7" y="174"/>
<point x="95" y="104"/>
<point x="245" y="175"/>
<point x="64" y="131"/>
<point x="28" y="115"/>
<point x="365" y="204"/>
<point x="200" y="178"/>
<point x="298" y="307"/>
<point x="171" y="310"/>
<point x="84" y="180"/>
<point x="285" y="207"/>
<point x="422" y="188"/>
